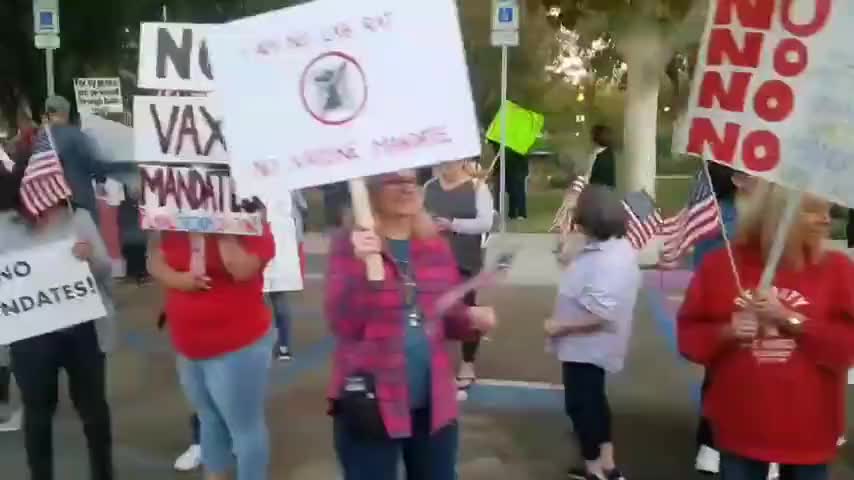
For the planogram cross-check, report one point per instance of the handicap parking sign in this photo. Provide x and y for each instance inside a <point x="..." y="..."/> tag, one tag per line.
<point x="505" y="14"/>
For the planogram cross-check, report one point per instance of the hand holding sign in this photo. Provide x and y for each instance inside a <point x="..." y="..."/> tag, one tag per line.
<point x="82" y="251"/>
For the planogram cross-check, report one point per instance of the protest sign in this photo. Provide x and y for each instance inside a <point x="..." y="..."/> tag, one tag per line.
<point x="743" y="110"/>
<point x="523" y="128"/>
<point x="178" y="130"/>
<point x="335" y="89"/>
<point x="174" y="56"/>
<point x="193" y="199"/>
<point x="102" y="95"/>
<point x="45" y="289"/>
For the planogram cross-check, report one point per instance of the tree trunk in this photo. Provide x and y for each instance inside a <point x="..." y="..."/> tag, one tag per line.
<point x="645" y="55"/>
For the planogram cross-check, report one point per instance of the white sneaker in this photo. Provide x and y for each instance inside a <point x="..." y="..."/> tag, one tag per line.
<point x="13" y="423"/>
<point x="774" y="471"/>
<point x="189" y="460"/>
<point x="842" y="441"/>
<point x="708" y="460"/>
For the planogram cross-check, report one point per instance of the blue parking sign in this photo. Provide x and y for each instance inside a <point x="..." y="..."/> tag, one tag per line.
<point x="505" y="14"/>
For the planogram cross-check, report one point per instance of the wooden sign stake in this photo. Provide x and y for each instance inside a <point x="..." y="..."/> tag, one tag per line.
<point x="365" y="220"/>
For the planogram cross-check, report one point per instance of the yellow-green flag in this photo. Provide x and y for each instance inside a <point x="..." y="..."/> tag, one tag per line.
<point x="523" y="128"/>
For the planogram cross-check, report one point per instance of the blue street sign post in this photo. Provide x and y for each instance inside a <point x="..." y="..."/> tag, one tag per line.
<point x="46" y="35"/>
<point x="505" y="34"/>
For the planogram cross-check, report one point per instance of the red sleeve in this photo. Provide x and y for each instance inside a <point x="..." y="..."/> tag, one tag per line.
<point x="344" y="273"/>
<point x="698" y="334"/>
<point x="262" y="246"/>
<point x="831" y="343"/>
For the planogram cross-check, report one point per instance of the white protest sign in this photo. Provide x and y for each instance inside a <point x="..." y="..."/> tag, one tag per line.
<point x="98" y="95"/>
<point x="178" y="130"/>
<point x="744" y="111"/>
<point x="193" y="199"/>
<point x="336" y="89"/>
<point x="45" y="289"/>
<point x="174" y="56"/>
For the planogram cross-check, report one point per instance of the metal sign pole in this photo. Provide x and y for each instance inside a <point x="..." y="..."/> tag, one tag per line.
<point x="51" y="79"/>
<point x="502" y="200"/>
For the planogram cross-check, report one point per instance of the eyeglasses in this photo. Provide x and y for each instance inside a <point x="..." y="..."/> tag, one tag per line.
<point x="400" y="182"/>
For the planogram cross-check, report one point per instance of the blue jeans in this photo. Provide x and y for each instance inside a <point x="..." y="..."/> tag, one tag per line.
<point x="281" y="316"/>
<point x="228" y="394"/>
<point x="738" y="468"/>
<point x="425" y="456"/>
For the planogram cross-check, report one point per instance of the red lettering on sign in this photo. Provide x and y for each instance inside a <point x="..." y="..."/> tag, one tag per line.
<point x="819" y="20"/>
<point x="791" y="57"/>
<point x="760" y="151"/>
<point x="755" y="14"/>
<point x="774" y="101"/>
<point x="703" y="134"/>
<point x="403" y="143"/>
<point x="722" y="44"/>
<point x="730" y="98"/>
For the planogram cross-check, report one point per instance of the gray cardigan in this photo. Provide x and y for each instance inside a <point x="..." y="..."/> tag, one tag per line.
<point x="16" y="234"/>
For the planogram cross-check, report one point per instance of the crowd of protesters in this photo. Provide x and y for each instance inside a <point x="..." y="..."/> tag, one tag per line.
<point x="775" y="359"/>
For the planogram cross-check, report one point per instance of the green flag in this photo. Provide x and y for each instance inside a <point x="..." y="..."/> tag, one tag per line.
<point x="523" y="128"/>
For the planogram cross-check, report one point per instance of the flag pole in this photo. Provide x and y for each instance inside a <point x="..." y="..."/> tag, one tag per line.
<point x="724" y="233"/>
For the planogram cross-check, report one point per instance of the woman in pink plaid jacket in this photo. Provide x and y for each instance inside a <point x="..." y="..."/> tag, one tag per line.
<point x="391" y="363"/>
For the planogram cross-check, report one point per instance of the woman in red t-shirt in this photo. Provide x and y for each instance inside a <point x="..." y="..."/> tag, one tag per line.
<point x="221" y="330"/>
<point x="777" y="360"/>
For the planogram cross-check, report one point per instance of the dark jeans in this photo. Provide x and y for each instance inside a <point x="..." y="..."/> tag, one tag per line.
<point x="36" y="363"/>
<point x="704" y="429"/>
<point x="425" y="456"/>
<point x="278" y="302"/>
<point x="135" y="261"/>
<point x="586" y="404"/>
<point x="470" y="348"/>
<point x="738" y="468"/>
<point x="517" y="205"/>
<point x="850" y="229"/>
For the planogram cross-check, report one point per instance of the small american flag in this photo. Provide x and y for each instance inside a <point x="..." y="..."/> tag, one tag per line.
<point x="643" y="219"/>
<point x="44" y="184"/>
<point x="699" y="218"/>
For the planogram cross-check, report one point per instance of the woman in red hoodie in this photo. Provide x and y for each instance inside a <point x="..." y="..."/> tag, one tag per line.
<point x="777" y="359"/>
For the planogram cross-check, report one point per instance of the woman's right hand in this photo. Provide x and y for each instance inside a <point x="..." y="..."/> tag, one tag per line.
<point x="365" y="243"/>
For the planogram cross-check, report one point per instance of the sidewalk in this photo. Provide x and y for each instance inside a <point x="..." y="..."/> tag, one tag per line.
<point x="535" y="263"/>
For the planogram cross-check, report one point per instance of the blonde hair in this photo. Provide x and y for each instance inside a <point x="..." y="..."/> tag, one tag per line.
<point x="759" y="217"/>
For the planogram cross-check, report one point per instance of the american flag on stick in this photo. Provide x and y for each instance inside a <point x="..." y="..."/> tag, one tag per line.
<point x="44" y="184"/>
<point x="699" y="218"/>
<point x="563" y="218"/>
<point x="643" y="219"/>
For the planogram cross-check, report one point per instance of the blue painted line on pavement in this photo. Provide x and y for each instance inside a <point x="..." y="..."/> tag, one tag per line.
<point x="514" y="398"/>
<point x="666" y="323"/>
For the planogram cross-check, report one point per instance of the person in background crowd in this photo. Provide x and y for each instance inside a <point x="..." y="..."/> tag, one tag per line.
<point x="79" y="350"/>
<point x="462" y="208"/>
<point x="592" y="323"/>
<point x="776" y="359"/>
<point x="22" y="143"/>
<point x="79" y="156"/>
<point x="603" y="170"/>
<point x="133" y="239"/>
<point x="390" y="344"/>
<point x="10" y="421"/>
<point x="849" y="230"/>
<point x="336" y="198"/>
<point x="221" y="330"/>
<point x="517" y="185"/>
<point x="276" y="280"/>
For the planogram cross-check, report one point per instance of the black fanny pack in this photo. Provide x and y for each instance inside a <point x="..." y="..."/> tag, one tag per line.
<point x="358" y="407"/>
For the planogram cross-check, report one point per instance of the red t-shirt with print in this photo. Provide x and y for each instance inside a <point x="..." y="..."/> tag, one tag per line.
<point x="229" y="316"/>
